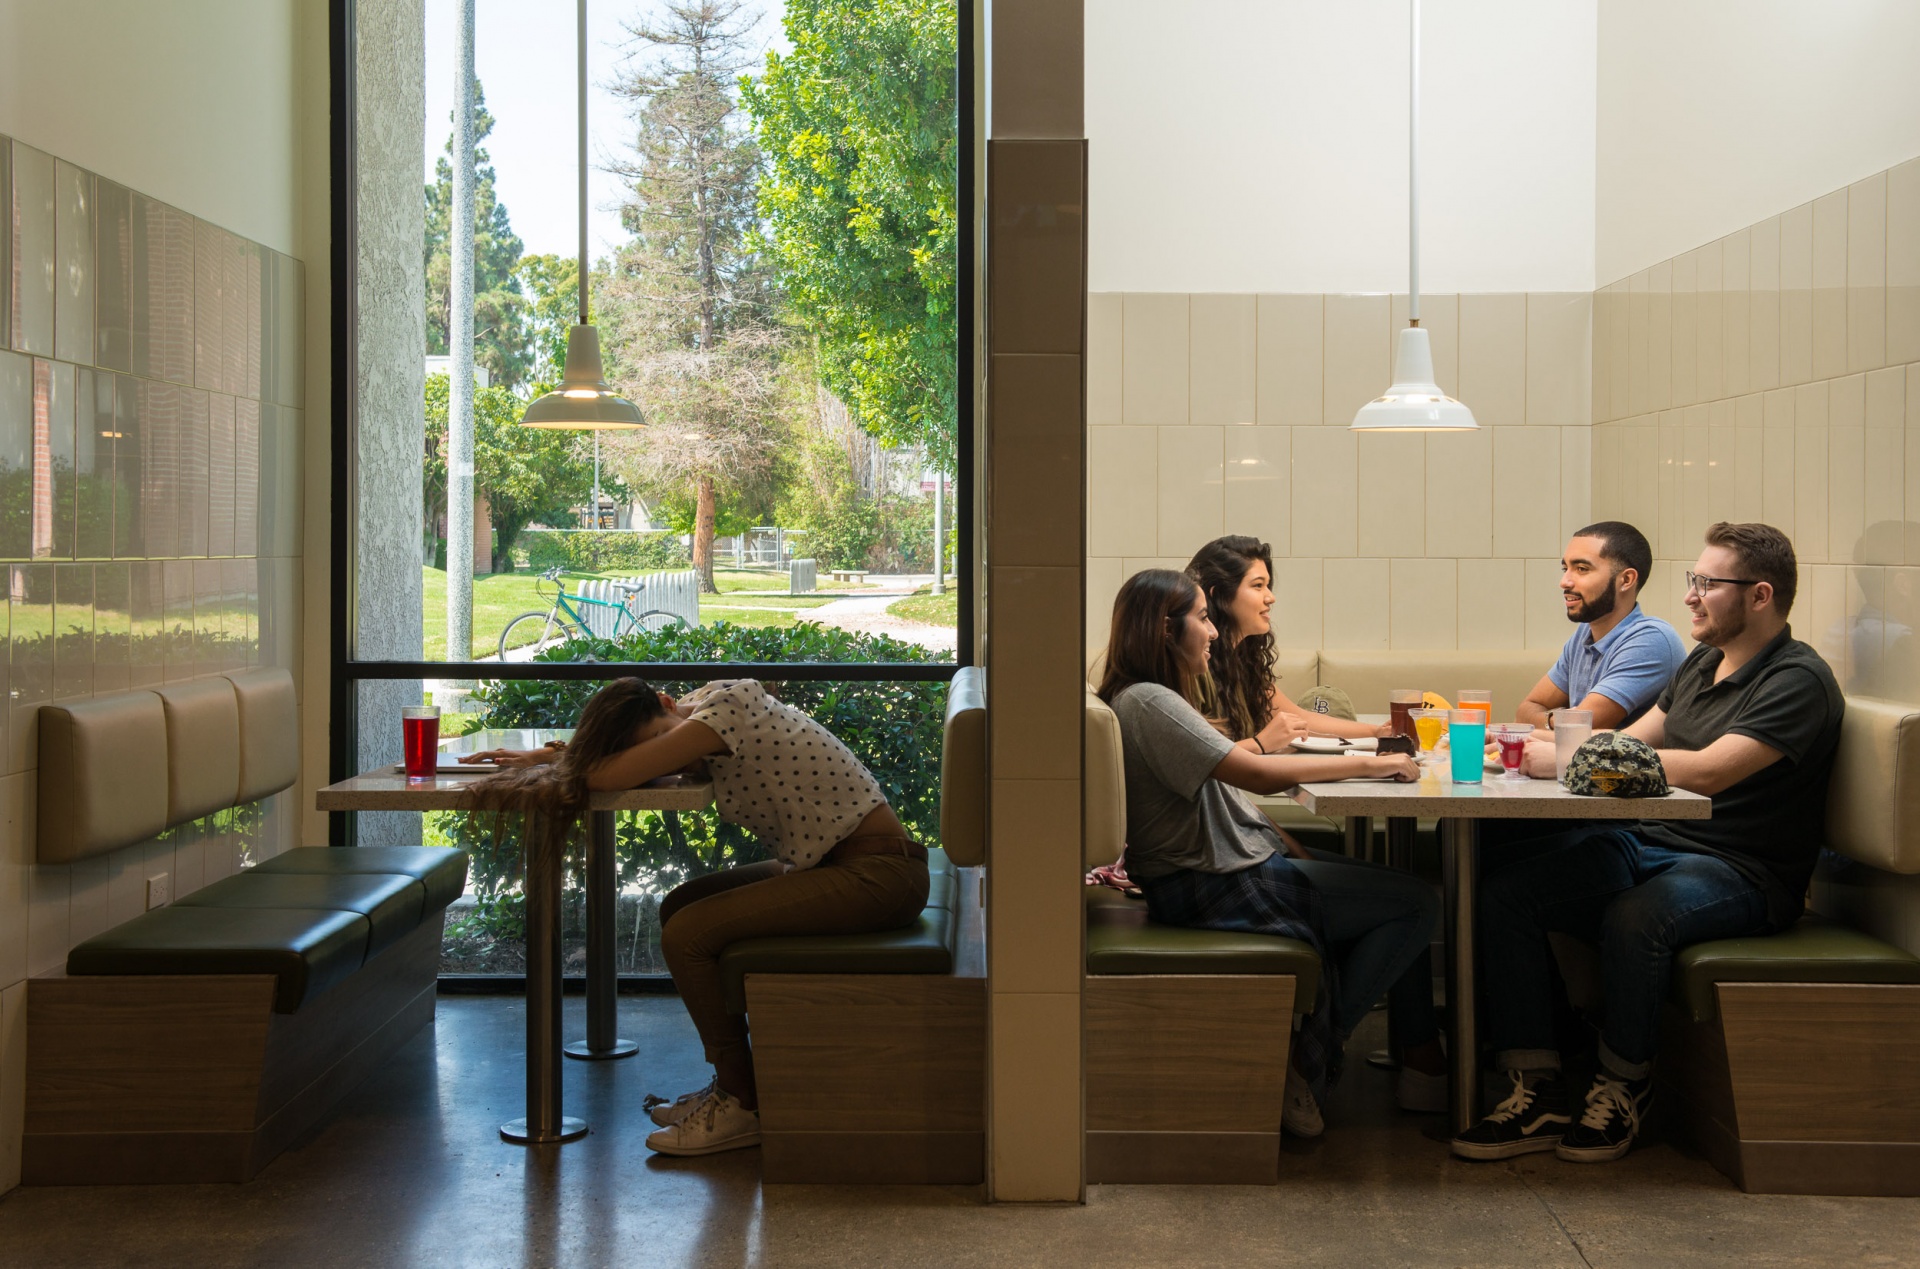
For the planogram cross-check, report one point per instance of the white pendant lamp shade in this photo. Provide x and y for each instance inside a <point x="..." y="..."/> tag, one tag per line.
<point x="1415" y="402"/>
<point x="583" y="401"/>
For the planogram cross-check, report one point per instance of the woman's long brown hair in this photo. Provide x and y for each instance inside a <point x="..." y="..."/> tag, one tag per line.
<point x="557" y="791"/>
<point x="1142" y="646"/>
<point x="1242" y="664"/>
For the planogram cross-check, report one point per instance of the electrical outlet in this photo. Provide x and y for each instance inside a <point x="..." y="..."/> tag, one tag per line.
<point x="159" y="891"/>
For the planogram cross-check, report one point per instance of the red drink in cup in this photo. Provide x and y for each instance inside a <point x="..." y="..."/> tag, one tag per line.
<point x="420" y="740"/>
<point x="1513" y="749"/>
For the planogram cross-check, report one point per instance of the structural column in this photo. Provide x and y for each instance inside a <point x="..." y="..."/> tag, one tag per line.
<point x="1035" y="468"/>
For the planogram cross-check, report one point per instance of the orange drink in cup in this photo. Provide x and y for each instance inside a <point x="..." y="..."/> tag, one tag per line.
<point x="1482" y="701"/>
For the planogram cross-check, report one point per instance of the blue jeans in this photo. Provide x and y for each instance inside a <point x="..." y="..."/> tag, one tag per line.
<point x="1380" y="922"/>
<point x="1640" y="902"/>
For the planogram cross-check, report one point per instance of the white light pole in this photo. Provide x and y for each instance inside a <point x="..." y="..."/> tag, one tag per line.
<point x="460" y="348"/>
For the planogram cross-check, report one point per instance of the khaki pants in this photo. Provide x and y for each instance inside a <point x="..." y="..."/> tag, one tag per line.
<point x="698" y="920"/>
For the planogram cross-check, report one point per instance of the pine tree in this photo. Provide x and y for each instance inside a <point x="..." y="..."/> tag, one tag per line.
<point x="499" y="309"/>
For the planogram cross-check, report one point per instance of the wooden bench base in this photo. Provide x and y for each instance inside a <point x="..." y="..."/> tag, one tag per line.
<point x="162" y="1078"/>
<point x="1803" y="1088"/>
<point x="1186" y="1076"/>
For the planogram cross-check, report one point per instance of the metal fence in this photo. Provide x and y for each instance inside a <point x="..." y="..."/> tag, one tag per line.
<point x="674" y="594"/>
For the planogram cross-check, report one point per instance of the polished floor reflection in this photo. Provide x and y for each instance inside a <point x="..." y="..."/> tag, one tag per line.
<point x="409" y="1172"/>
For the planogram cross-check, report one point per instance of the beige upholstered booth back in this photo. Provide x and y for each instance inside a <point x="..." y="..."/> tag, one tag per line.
<point x="1873" y="804"/>
<point x="1368" y="675"/>
<point x="1104" y="790"/>
<point x="118" y="769"/>
<point x="963" y="769"/>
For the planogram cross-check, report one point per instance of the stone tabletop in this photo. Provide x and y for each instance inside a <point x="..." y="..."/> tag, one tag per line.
<point x="1498" y="798"/>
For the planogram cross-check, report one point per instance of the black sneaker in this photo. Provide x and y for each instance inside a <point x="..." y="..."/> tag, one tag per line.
<point x="1533" y="1118"/>
<point x="1615" y="1110"/>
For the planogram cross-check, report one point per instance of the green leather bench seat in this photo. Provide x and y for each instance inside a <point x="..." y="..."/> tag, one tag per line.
<point x="1121" y="940"/>
<point x="306" y="950"/>
<point x="392" y="903"/>
<point x="1813" y="951"/>
<point x="442" y="871"/>
<point x="310" y="917"/>
<point x="925" y="947"/>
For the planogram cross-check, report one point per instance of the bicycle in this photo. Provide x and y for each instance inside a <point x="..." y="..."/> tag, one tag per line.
<point x="567" y="617"/>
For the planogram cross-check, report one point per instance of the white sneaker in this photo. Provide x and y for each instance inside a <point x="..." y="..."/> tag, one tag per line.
<point x="664" y="1112"/>
<point x="1421" y="1093"/>
<point x="717" y="1122"/>
<point x="1299" y="1113"/>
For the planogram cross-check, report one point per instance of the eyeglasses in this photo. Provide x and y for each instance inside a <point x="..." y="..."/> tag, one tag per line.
<point x="1700" y="583"/>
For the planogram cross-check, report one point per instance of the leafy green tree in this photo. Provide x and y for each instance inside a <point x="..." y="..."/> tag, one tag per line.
<point x="859" y="124"/>
<point x="529" y="474"/>
<point x="499" y="310"/>
<point x="689" y="303"/>
<point x="551" y="285"/>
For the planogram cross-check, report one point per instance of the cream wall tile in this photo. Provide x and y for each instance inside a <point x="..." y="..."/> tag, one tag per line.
<point x="1885" y="463"/>
<point x="1796" y="295"/>
<point x="1546" y="611"/>
<point x="16" y="876"/>
<point x="13" y="1081"/>
<point x="1356" y="615"/>
<point x="1830" y="285"/>
<point x="1104" y="357"/>
<point x="1123" y="497"/>
<point x="1153" y="340"/>
<point x="1526" y="490"/>
<point x="1033" y="697"/>
<point x="1620" y="355"/>
<point x="1659" y="337"/>
<point x="1867" y="273"/>
<point x="1440" y="318"/>
<point x="189" y="859"/>
<point x="1736" y="280"/>
<point x="1606" y="473"/>
<point x="1459" y="494"/>
<point x="1392" y="478"/>
<point x="1259" y="466"/>
<point x="1913" y="462"/>
<point x="1696" y="444"/>
<point x="1560" y="342"/>
<point x="1810" y="405"/>
<point x="1576" y="479"/>
<point x="1039" y="442"/>
<point x="1777" y="494"/>
<point x="1749" y="463"/>
<point x="1637" y="342"/>
<point x="1493" y="357"/>
<point x="1325" y="492"/>
<point x="1191" y="488"/>
<point x="87" y="911"/>
<point x="48" y="898"/>
<point x="1357" y="358"/>
<point x="1289" y="340"/>
<point x="1763" y="331"/>
<point x="1104" y="575"/>
<point x="1821" y="606"/>
<point x="1134" y="563"/>
<point x="1710" y="321"/>
<point x="1423" y="604"/>
<point x="1036" y="1052"/>
<point x="1685" y="352"/>
<point x="1221" y="353"/>
<point x="1492" y="609"/>
<point x="1723" y="459"/>
<point x="1846" y="480"/>
<point x="1670" y="517"/>
<point x="1900" y="675"/>
<point x="1640" y="489"/>
<point x="1297" y="605"/>
<point x="1903" y="263"/>
<point x="1035" y="902"/>
<point x="1602" y="395"/>
<point x="126" y="884"/>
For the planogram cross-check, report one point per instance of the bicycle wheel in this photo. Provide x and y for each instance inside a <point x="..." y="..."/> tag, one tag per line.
<point x="541" y="630"/>
<point x="656" y="619"/>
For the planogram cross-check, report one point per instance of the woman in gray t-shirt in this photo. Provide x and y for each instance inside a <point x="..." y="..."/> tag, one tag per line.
<point x="1207" y="858"/>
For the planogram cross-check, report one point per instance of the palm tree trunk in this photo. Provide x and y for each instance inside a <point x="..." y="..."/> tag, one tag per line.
<point x="703" y="519"/>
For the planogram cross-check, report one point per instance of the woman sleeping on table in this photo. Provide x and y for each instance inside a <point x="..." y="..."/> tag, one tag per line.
<point x="844" y="864"/>
<point x="1207" y="858"/>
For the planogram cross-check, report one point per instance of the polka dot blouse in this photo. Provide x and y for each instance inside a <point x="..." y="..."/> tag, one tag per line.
<point x="786" y="778"/>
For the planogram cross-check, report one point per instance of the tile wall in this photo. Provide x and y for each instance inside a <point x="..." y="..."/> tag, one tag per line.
<point x="150" y="381"/>
<point x="1214" y="413"/>
<point x="1775" y="375"/>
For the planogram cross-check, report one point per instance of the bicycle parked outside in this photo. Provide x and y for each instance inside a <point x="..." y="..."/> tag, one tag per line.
<point x="568" y="617"/>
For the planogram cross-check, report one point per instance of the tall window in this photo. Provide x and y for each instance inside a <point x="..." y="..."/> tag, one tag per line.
<point x="775" y="244"/>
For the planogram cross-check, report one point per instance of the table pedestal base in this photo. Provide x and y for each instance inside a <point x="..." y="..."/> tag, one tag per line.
<point x="603" y="1042"/>
<point x="585" y="1052"/>
<point x="1459" y="866"/>
<point x="516" y="1131"/>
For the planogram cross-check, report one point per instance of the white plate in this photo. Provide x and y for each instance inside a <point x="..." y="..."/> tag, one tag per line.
<point x="1321" y="744"/>
<point x="1368" y="744"/>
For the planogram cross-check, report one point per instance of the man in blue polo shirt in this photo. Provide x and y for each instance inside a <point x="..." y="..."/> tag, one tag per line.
<point x="1618" y="658"/>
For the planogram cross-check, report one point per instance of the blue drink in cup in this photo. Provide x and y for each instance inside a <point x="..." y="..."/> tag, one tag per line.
<point x="1467" y="737"/>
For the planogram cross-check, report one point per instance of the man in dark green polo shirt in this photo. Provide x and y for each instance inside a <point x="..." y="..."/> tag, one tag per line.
<point x="1751" y="719"/>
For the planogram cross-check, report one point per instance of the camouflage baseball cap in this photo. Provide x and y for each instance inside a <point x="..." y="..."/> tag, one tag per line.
<point x="1616" y="765"/>
<point x="1330" y="702"/>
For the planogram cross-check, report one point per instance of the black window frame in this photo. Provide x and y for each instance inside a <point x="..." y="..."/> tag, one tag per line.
<point x="347" y="671"/>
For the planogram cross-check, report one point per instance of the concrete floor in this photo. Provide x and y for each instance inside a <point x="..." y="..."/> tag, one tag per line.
<point x="410" y="1172"/>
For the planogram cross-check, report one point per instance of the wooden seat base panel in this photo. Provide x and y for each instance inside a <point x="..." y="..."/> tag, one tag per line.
<point x="153" y="1079"/>
<point x="1803" y="1088"/>
<point x="870" y="1078"/>
<point x="1186" y="1076"/>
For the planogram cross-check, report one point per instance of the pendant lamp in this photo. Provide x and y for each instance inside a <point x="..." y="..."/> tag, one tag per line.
<point x="1414" y="402"/>
<point x="583" y="401"/>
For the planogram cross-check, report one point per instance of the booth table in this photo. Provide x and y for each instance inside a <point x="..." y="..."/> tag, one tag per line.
<point x="384" y="789"/>
<point x="1459" y="808"/>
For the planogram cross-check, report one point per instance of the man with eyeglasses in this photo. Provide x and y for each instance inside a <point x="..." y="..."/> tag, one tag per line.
<point x="1751" y="719"/>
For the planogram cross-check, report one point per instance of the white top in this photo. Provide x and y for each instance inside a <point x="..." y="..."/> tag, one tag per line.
<point x="785" y="778"/>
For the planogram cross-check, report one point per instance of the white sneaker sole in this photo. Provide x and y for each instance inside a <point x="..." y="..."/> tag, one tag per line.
<point x="1489" y="1151"/>
<point x="1593" y="1154"/>
<point x="740" y="1141"/>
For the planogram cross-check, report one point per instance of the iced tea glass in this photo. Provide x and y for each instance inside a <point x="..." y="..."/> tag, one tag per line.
<point x="1402" y="701"/>
<point x="420" y="740"/>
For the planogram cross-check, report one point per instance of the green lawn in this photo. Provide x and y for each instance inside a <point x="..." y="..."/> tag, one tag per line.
<point x="934" y="610"/>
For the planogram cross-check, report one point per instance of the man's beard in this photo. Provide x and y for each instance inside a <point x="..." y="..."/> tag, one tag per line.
<point x="1591" y="611"/>
<point x="1719" y="633"/>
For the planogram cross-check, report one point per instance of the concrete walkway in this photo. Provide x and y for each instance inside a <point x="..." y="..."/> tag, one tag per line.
<point x="866" y="613"/>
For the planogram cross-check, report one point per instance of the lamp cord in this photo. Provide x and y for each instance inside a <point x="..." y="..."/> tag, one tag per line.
<point x="581" y="77"/>
<point x="1413" y="168"/>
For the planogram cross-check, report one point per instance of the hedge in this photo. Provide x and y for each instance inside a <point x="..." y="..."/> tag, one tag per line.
<point x="591" y="551"/>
